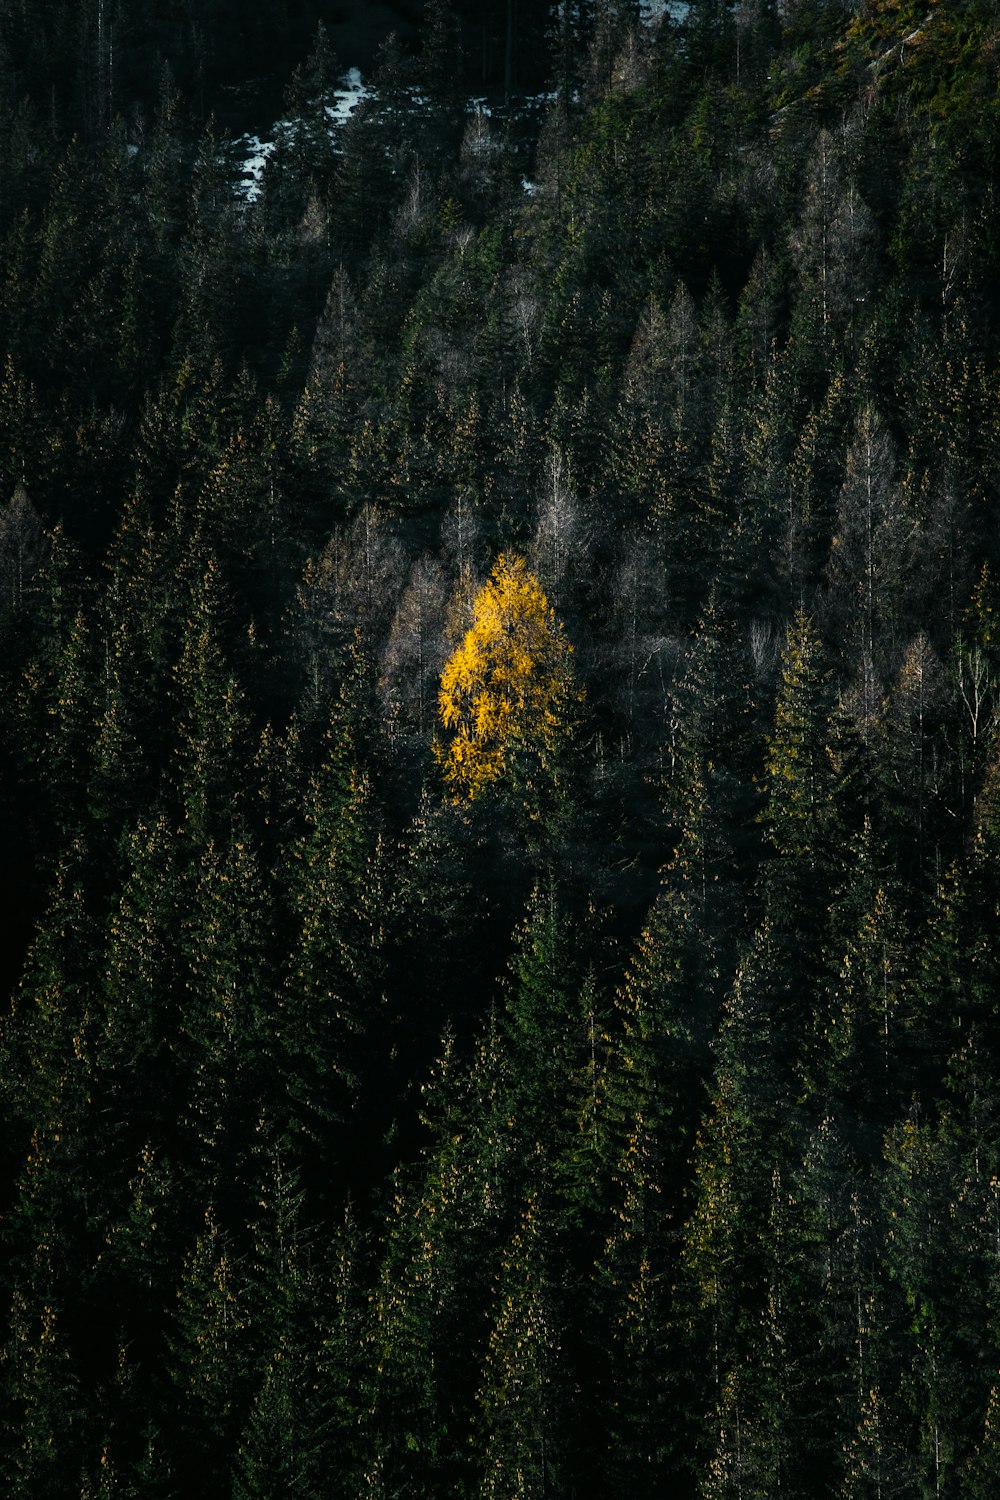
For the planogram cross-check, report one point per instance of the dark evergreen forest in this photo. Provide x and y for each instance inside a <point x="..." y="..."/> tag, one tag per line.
<point x="500" y="751"/>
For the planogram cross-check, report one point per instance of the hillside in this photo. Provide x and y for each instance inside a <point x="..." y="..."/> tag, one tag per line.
<point x="500" y="770"/>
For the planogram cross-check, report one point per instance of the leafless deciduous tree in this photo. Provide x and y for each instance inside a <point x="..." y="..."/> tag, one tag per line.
<point x="348" y="594"/>
<point x="460" y="540"/>
<point x="833" y="242"/>
<point x="22" y="551"/>
<point x="683" y="356"/>
<point x="866" y="587"/>
<point x="560" y="539"/>
<point x="334" y="341"/>
<point x="641" y="655"/>
<point x="416" y="650"/>
<point x="479" y="157"/>
<point x="522" y="313"/>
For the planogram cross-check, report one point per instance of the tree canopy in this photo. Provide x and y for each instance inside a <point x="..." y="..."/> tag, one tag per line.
<point x="507" y="692"/>
<point x="500" y="750"/>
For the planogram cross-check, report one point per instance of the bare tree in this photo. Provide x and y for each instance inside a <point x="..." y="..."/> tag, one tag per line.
<point x="954" y="254"/>
<point x="416" y="650"/>
<point x="348" y="595"/>
<point x="460" y="538"/>
<point x="22" y="552"/>
<point x="866" y="585"/>
<point x="640" y="658"/>
<point x="560" y="539"/>
<point x="417" y="202"/>
<point x="833" y="243"/>
<point x="683" y="355"/>
<point x="335" y="332"/>
<point x="479" y="157"/>
<point x="522" y="313"/>
<point x="851" y="270"/>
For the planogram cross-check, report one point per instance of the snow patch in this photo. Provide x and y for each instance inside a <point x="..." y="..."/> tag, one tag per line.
<point x="653" y="11"/>
<point x="253" y="153"/>
<point x="347" y="99"/>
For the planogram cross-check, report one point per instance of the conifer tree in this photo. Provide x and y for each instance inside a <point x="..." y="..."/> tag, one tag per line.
<point x="207" y="1358"/>
<point x="54" y="694"/>
<point x="208" y="709"/>
<point x="142" y="990"/>
<point x="22" y="551"/>
<point x="222" y="1041"/>
<point x="43" y="1389"/>
<point x="522" y="1442"/>
<point x="442" y="1251"/>
<point x="296" y="1426"/>
<point x="415" y="1431"/>
<point x="59" y="1192"/>
<point x="799" y="777"/>
<point x="638" y="1380"/>
<point x="537" y="1018"/>
<point x="331" y="1012"/>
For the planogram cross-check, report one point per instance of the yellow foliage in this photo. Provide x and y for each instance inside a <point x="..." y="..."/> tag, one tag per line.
<point x="508" y="687"/>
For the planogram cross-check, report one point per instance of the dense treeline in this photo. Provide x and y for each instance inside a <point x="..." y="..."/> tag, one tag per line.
<point x="75" y="65"/>
<point x="583" y="1079"/>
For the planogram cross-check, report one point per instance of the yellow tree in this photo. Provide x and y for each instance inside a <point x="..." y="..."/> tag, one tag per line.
<point x="507" y="693"/>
